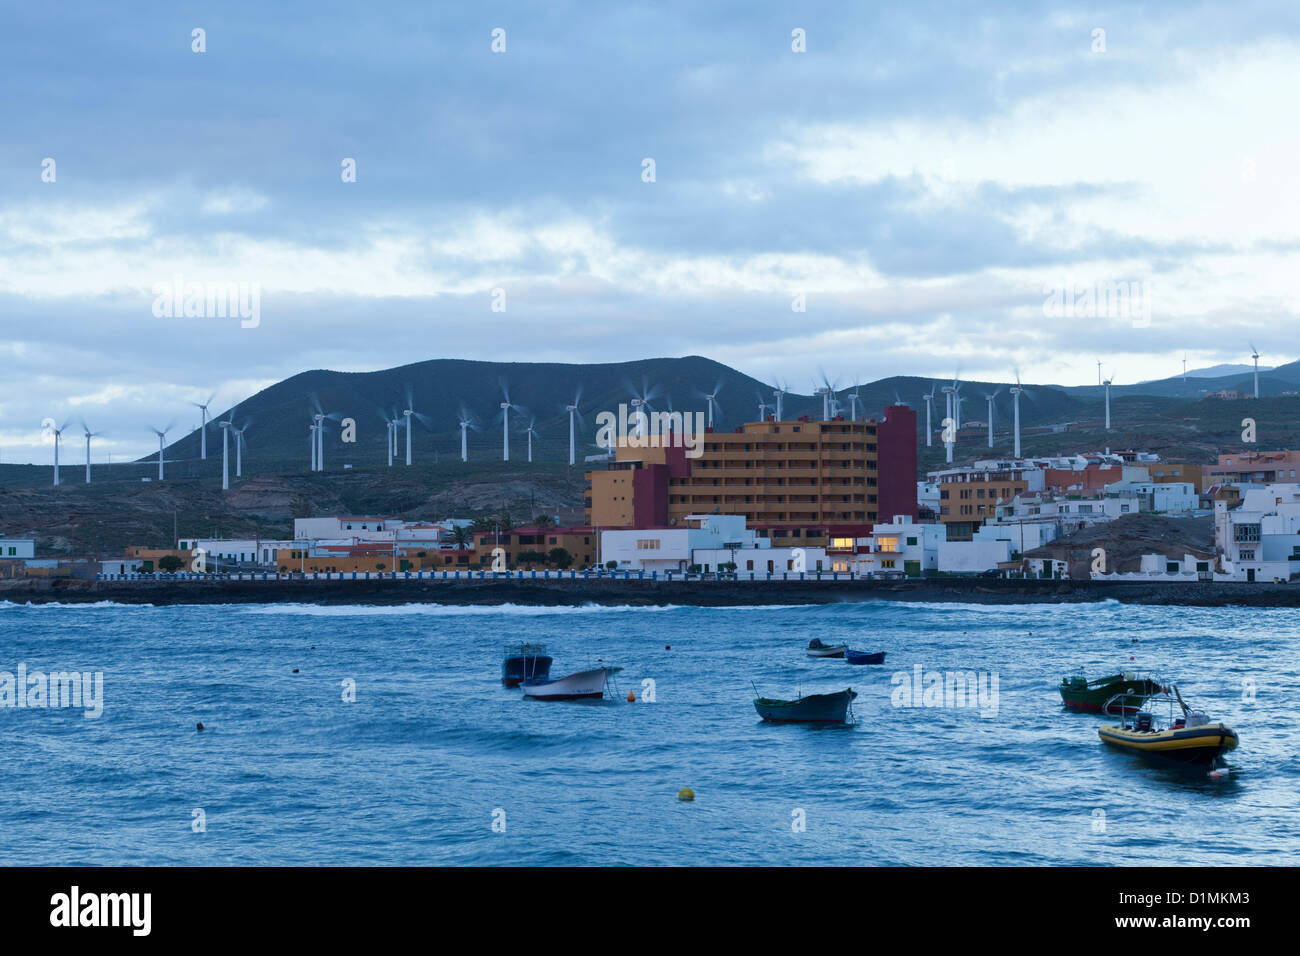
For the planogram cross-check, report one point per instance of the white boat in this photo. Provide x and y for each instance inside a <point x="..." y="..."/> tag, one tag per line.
<point x="583" y="684"/>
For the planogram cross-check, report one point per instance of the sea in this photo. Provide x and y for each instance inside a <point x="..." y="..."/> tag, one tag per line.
<point x="349" y="735"/>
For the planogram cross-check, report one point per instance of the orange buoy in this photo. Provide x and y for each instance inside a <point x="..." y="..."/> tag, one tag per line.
<point x="631" y="697"/>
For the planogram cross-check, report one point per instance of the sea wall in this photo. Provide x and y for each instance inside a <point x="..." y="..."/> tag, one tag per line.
<point x="646" y="592"/>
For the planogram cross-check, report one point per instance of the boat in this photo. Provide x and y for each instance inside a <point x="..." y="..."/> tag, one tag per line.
<point x="579" y="686"/>
<point x="1189" y="738"/>
<point x="524" y="662"/>
<point x="817" y="649"/>
<point x="813" y="709"/>
<point x="1079" y="693"/>
<point x="864" y="657"/>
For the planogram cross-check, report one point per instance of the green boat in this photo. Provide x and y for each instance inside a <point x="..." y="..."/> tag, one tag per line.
<point x="1079" y="693"/>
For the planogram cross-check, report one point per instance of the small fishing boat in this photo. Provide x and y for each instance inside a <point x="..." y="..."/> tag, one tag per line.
<point x="1079" y="693"/>
<point x="579" y="686"/>
<point x="813" y="709"/>
<point x="1190" y="738"/>
<point x="864" y="657"/>
<point x="817" y="649"/>
<point x="524" y="662"/>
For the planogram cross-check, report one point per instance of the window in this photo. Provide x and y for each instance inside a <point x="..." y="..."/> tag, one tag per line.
<point x="911" y="541"/>
<point x="1245" y="532"/>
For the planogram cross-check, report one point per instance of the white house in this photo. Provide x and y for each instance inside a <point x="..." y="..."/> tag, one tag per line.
<point x="762" y="560"/>
<point x="120" y="566"/>
<point x="673" y="549"/>
<point x="901" y="545"/>
<point x="1158" y="495"/>
<point x="1260" y="539"/>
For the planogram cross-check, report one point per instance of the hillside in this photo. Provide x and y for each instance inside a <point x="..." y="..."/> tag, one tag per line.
<point x="1129" y="537"/>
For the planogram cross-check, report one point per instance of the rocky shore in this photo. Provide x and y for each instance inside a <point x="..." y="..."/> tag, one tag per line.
<point x="636" y="592"/>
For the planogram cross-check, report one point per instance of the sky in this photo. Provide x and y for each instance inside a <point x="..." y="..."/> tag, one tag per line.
<point x="864" y="189"/>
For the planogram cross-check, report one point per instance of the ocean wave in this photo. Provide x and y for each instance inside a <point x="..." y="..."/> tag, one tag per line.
<point x="456" y="610"/>
<point x="74" y="605"/>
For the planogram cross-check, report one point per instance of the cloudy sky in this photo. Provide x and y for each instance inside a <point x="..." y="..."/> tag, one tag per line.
<point x="922" y="178"/>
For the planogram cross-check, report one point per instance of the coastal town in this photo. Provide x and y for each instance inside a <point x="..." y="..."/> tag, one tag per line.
<point x="834" y="499"/>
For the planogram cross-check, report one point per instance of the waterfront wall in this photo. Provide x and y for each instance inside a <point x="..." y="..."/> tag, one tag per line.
<point x="619" y="591"/>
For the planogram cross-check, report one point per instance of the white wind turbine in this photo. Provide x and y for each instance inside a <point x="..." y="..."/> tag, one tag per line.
<point x="778" y="394"/>
<point x="641" y="407"/>
<point x="1016" y="391"/>
<point x="949" y="431"/>
<point x="929" y="403"/>
<point x="572" y="409"/>
<point x="410" y="413"/>
<point x="467" y="422"/>
<point x="58" y="435"/>
<point x="854" y="398"/>
<point x="1255" y="356"/>
<point x="162" y="441"/>
<point x="203" y="425"/>
<point x="319" y="463"/>
<point x="712" y="399"/>
<point x="89" y="436"/>
<point x="989" y="396"/>
<point x="827" y="392"/>
<point x="240" y="444"/>
<point x="225" y="454"/>
<point x="762" y="407"/>
<point x="506" y="406"/>
<point x="530" y="431"/>
<point x="1107" y="386"/>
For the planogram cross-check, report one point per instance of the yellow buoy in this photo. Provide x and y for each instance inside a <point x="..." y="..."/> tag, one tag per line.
<point x="686" y="793"/>
<point x="631" y="697"/>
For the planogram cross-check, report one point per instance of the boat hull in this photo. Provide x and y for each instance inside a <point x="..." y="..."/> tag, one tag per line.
<point x="583" y="685"/>
<point x="827" y="651"/>
<point x="1202" y="744"/>
<point x="1093" y="699"/>
<point x="860" y="657"/>
<point x="813" y="709"/>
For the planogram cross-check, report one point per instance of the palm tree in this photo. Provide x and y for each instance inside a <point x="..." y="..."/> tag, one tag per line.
<point x="462" y="536"/>
<point x="543" y="521"/>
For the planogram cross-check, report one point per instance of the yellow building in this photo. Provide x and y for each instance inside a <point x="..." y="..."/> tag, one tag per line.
<point x="968" y="500"/>
<point x="517" y="544"/>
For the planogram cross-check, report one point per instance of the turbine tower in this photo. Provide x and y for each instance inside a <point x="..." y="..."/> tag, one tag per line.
<point x="225" y="455"/>
<point x="465" y="423"/>
<point x="505" y="421"/>
<point x="778" y="394"/>
<point x="319" y="418"/>
<point x="572" y="409"/>
<point x="1016" y="391"/>
<point x="853" y="402"/>
<point x="1107" y="385"/>
<point x="89" y="436"/>
<point x="1255" y="356"/>
<point x="203" y="425"/>
<point x="929" y="402"/>
<point x="990" y="396"/>
<point x="712" y="399"/>
<point x="162" y="441"/>
<point x="530" y="431"/>
<point x="949" y="433"/>
<point x="239" y="450"/>
<point x="58" y="434"/>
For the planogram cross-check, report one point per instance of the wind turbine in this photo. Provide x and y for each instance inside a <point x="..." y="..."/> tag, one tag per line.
<point x="162" y="441"/>
<point x="319" y="463"/>
<point x="505" y="421"/>
<point x="409" y="413"/>
<point x="949" y="432"/>
<point x="1107" y="384"/>
<point x="762" y="406"/>
<point x="203" y="426"/>
<point x="853" y="402"/>
<point x="530" y="431"/>
<point x="1016" y="391"/>
<point x="1184" y="368"/>
<point x="58" y="434"/>
<point x="929" y="401"/>
<point x="467" y="422"/>
<point x="314" y="429"/>
<point x="827" y="392"/>
<point x="225" y="455"/>
<point x="712" y="399"/>
<point x="89" y="436"/>
<point x="1255" y="356"/>
<point x="778" y="394"/>
<point x="641" y="407"/>
<point x="573" y="411"/>
<point x="239" y="449"/>
<point x="990" y="396"/>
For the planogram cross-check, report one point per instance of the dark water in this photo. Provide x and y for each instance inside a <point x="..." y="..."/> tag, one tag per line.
<point x="413" y="770"/>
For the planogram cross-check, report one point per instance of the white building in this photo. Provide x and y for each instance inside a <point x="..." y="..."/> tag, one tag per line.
<point x="673" y="549"/>
<point x="120" y="566"/>
<point x="1157" y="495"/>
<point x="243" y="551"/>
<point x="901" y="545"/>
<point x="1260" y="539"/>
<point x="972" y="557"/>
<point x="763" y="560"/>
<point x="17" y="548"/>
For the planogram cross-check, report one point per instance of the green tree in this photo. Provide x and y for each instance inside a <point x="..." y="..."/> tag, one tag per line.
<point x="461" y="536"/>
<point x="170" y="562"/>
<point x="544" y="521"/>
<point x="560" y="557"/>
